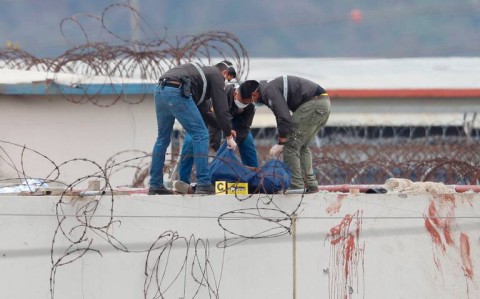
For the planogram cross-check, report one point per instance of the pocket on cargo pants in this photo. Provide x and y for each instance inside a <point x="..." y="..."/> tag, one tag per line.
<point x="321" y="116"/>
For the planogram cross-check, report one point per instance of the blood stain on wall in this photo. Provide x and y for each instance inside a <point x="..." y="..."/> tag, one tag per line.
<point x="347" y="265"/>
<point x="439" y="220"/>
<point x="336" y="205"/>
<point x="467" y="265"/>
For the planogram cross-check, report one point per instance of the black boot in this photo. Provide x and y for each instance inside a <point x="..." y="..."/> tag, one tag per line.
<point x="159" y="191"/>
<point x="205" y="189"/>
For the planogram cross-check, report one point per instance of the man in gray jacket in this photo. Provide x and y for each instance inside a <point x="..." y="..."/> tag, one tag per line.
<point x="180" y="94"/>
<point x="310" y="105"/>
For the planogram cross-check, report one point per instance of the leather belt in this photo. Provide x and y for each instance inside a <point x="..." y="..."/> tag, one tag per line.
<point x="170" y="83"/>
<point x="320" y="97"/>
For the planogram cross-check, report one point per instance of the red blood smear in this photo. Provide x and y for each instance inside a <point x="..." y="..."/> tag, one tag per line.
<point x="465" y="254"/>
<point x="348" y="252"/>
<point x="434" y="233"/>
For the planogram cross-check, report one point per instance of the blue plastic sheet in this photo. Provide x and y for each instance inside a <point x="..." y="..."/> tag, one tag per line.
<point x="273" y="177"/>
<point x="226" y="167"/>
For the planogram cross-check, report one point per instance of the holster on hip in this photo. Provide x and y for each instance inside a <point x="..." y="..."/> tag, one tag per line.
<point x="185" y="87"/>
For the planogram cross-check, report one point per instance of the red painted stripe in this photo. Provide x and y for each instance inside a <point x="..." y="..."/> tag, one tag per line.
<point x="363" y="188"/>
<point x="404" y="93"/>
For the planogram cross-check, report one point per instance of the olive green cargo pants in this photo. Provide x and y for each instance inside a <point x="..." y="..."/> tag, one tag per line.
<point x="306" y="121"/>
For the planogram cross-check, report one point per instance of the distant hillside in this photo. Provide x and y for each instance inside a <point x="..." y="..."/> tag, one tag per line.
<point x="370" y="28"/>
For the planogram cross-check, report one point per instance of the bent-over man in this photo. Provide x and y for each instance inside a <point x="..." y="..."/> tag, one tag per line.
<point x="310" y="105"/>
<point x="180" y="93"/>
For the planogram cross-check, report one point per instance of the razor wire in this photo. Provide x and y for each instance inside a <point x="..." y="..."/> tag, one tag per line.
<point x="335" y="162"/>
<point x="106" y="63"/>
<point x="342" y="155"/>
<point x="82" y="232"/>
<point x="371" y="155"/>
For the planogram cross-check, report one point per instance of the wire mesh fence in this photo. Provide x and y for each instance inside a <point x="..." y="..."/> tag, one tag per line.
<point x="371" y="155"/>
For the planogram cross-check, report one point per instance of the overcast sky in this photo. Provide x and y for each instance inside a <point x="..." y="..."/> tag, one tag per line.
<point x="301" y="28"/>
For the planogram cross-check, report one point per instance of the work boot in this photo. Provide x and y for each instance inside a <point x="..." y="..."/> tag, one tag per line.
<point x="205" y="189"/>
<point x="182" y="187"/>
<point x="159" y="191"/>
<point x="296" y="191"/>
<point x="301" y="189"/>
<point x="312" y="189"/>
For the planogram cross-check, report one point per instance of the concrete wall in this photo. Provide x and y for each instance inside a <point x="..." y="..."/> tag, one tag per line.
<point x="344" y="246"/>
<point x="62" y="130"/>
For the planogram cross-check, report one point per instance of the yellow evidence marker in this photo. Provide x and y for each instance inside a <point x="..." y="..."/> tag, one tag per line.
<point x="222" y="187"/>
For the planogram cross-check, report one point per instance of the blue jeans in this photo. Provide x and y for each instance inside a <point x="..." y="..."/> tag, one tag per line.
<point x="170" y="105"/>
<point x="247" y="150"/>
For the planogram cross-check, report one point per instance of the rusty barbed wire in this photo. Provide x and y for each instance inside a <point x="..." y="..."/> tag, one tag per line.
<point x="335" y="162"/>
<point x="371" y="155"/>
<point x="108" y="64"/>
<point x="347" y="163"/>
<point x="82" y="232"/>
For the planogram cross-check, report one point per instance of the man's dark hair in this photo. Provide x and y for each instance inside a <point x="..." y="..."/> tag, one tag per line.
<point x="227" y="66"/>
<point x="247" y="88"/>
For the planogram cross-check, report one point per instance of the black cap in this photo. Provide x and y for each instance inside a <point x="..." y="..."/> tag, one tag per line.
<point x="247" y="88"/>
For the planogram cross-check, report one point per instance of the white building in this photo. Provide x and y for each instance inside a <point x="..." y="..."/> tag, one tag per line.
<point x="61" y="115"/>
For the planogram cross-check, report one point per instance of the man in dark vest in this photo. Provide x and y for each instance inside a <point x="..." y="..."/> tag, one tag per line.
<point x="242" y="118"/>
<point x="180" y="93"/>
<point x="310" y="105"/>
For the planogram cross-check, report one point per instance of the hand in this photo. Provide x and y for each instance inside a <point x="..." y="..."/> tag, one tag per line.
<point x="276" y="150"/>
<point x="231" y="144"/>
<point x="234" y="133"/>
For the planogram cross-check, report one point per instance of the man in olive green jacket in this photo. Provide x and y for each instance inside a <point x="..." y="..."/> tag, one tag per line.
<point x="310" y="105"/>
